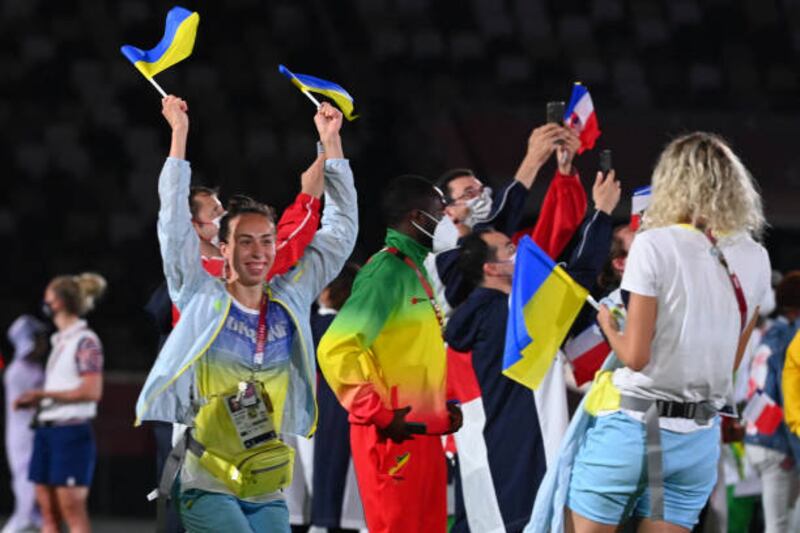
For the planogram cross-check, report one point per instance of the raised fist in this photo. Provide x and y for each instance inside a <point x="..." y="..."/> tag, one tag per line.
<point x="175" y="112"/>
<point x="328" y="121"/>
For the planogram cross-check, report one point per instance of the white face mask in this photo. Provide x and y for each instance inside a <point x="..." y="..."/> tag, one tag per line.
<point x="445" y="235"/>
<point x="511" y="262"/>
<point x="479" y="208"/>
<point x="215" y="239"/>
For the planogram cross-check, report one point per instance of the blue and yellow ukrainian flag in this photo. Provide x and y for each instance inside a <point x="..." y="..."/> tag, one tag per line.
<point x="544" y="303"/>
<point x="176" y="44"/>
<point x="333" y="91"/>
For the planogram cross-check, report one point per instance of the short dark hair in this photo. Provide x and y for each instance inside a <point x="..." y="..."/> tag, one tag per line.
<point x="242" y="205"/>
<point x="199" y="190"/>
<point x="339" y="289"/>
<point x="405" y="194"/>
<point x="473" y="254"/>
<point x="787" y="293"/>
<point x="444" y="180"/>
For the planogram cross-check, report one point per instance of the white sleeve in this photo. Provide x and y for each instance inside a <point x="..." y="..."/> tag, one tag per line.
<point x="767" y="300"/>
<point x="642" y="267"/>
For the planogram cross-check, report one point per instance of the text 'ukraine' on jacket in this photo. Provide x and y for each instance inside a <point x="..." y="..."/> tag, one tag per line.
<point x="170" y="392"/>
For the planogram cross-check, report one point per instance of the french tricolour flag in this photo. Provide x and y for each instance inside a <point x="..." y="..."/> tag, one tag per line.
<point x="481" y="500"/>
<point x="763" y="413"/>
<point x="639" y="202"/>
<point x="581" y="116"/>
<point x="586" y="352"/>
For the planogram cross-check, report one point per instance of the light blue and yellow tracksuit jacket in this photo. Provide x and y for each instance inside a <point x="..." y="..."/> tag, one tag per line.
<point x="170" y="393"/>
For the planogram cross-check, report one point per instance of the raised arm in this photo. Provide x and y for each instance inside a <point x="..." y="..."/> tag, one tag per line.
<point x="541" y="143"/>
<point x="564" y="203"/>
<point x="509" y="202"/>
<point x="334" y="242"/>
<point x="595" y="234"/>
<point x="299" y="222"/>
<point x="180" y="245"/>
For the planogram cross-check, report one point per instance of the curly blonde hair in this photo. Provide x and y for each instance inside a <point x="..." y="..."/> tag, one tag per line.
<point x="698" y="178"/>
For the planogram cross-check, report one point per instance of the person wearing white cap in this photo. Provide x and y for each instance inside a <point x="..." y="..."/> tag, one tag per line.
<point x="28" y="337"/>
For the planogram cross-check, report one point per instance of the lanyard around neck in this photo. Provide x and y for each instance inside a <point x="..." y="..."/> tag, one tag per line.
<point x="423" y="281"/>
<point x="261" y="332"/>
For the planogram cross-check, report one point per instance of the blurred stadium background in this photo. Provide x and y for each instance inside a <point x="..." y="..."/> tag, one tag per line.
<point x="438" y="84"/>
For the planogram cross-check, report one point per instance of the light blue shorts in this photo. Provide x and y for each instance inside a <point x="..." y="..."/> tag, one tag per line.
<point x="609" y="478"/>
<point x="210" y="512"/>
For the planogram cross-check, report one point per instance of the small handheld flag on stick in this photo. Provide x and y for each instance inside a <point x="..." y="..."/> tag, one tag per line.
<point x="175" y="46"/>
<point x="581" y="116"/>
<point x="308" y="84"/>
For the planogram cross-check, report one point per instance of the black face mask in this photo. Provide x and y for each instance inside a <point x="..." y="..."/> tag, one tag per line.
<point x="47" y="311"/>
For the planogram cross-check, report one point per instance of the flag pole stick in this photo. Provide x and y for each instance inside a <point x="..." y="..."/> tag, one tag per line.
<point x="157" y="86"/>
<point x="311" y="97"/>
<point x="591" y="301"/>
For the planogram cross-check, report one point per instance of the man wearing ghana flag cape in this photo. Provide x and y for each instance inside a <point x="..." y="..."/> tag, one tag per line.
<point x="384" y="358"/>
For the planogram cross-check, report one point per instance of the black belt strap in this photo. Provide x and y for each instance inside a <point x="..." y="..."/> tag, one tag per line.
<point x="172" y="467"/>
<point x="700" y="412"/>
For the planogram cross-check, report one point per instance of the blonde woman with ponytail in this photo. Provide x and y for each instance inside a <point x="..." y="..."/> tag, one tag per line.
<point x="695" y="275"/>
<point x="64" y="450"/>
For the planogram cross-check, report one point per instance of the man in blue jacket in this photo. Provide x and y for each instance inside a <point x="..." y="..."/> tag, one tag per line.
<point x="472" y="206"/>
<point x="512" y="433"/>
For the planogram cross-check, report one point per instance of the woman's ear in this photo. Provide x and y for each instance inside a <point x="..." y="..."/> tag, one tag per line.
<point x="619" y="264"/>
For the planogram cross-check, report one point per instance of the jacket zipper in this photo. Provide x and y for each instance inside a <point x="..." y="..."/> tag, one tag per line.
<point x="305" y="354"/>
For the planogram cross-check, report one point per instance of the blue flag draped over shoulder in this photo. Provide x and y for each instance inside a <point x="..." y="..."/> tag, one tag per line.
<point x="335" y="92"/>
<point x="544" y="303"/>
<point x="176" y="44"/>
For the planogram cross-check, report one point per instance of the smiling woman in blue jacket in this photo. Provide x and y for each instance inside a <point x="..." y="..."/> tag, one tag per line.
<point x="239" y="366"/>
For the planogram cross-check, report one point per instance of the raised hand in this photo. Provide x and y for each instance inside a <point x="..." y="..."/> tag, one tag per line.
<point x="175" y="110"/>
<point x="565" y="152"/>
<point x="328" y="121"/>
<point x="542" y="142"/>
<point x="606" y="192"/>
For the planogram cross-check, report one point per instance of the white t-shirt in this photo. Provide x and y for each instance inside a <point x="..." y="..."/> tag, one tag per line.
<point x="698" y="320"/>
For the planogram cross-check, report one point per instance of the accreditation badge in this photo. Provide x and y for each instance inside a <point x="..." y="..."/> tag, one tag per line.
<point x="250" y="415"/>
